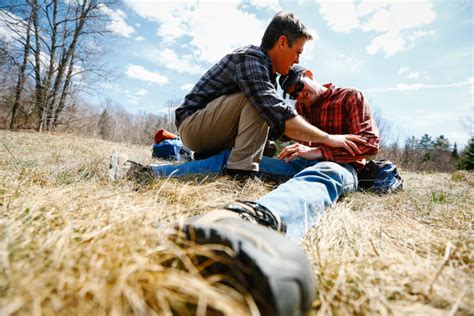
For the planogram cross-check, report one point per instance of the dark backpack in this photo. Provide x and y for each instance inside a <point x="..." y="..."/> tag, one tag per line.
<point x="380" y="176"/>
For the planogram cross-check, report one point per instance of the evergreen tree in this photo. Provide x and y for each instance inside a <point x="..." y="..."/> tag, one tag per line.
<point x="104" y="125"/>
<point x="426" y="145"/>
<point x="467" y="157"/>
<point x="442" y="143"/>
<point x="426" y="142"/>
<point x="455" y="153"/>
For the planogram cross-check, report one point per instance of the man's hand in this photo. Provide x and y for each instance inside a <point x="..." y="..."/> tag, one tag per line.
<point x="299" y="150"/>
<point x="347" y="142"/>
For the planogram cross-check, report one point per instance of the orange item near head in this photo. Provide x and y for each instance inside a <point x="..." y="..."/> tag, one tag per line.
<point x="162" y="135"/>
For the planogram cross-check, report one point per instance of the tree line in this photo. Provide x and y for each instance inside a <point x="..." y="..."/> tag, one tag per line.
<point x="429" y="154"/>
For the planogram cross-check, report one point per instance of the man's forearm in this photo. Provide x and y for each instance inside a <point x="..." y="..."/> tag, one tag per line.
<point x="342" y="156"/>
<point x="298" y="129"/>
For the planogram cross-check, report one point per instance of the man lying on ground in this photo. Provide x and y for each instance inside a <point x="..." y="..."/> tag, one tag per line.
<point x="276" y="271"/>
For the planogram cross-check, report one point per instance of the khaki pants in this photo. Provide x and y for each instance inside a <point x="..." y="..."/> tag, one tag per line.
<point x="228" y="122"/>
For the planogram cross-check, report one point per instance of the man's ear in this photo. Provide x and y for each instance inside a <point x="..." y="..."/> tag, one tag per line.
<point x="282" y="40"/>
<point x="309" y="74"/>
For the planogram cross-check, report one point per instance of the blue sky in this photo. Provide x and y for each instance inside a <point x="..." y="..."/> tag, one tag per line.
<point x="412" y="59"/>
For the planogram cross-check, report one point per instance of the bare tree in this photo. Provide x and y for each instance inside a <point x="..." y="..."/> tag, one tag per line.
<point x="82" y="14"/>
<point x="37" y="63"/>
<point x="171" y="106"/>
<point x="15" y="20"/>
<point x="467" y="122"/>
<point x="21" y="74"/>
<point x="52" y="58"/>
<point x="386" y="128"/>
<point x="51" y="47"/>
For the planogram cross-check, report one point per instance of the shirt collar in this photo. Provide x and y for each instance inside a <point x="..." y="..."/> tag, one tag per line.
<point x="268" y="61"/>
<point x="330" y="87"/>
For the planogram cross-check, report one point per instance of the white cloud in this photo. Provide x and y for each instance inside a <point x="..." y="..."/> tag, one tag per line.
<point x="396" y="22"/>
<point x="308" y="52"/>
<point x="182" y="64"/>
<point x="340" y="15"/>
<point x="109" y="86"/>
<point x="214" y="28"/>
<point x="413" y="75"/>
<point x="170" y="14"/>
<point x="273" y="5"/>
<point x="117" y="24"/>
<point x="309" y="47"/>
<point x="133" y="99"/>
<point x="139" y="38"/>
<point x="230" y="29"/>
<point x="403" y="69"/>
<point x="418" y="34"/>
<point x="410" y="86"/>
<point x="368" y="7"/>
<point x="9" y="20"/>
<point x="315" y="35"/>
<point x="400" y="15"/>
<point x="135" y="96"/>
<point x="390" y="42"/>
<point x="142" y="92"/>
<point x="418" y="86"/>
<point x="187" y="87"/>
<point x="140" y="73"/>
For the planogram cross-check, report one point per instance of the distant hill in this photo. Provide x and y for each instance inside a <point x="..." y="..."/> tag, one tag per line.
<point x="71" y="243"/>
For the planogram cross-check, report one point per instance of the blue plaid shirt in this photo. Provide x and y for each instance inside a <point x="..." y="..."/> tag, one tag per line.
<point x="248" y="69"/>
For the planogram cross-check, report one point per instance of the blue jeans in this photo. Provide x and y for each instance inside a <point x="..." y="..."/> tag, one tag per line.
<point x="301" y="201"/>
<point x="215" y="164"/>
<point x="211" y="165"/>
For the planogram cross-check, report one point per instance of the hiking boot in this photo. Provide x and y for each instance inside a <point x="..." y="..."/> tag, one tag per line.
<point x="273" y="269"/>
<point x="256" y="213"/>
<point x="122" y="168"/>
<point x="241" y="175"/>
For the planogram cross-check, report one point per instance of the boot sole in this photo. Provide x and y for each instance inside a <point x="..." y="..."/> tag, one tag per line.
<point x="269" y="266"/>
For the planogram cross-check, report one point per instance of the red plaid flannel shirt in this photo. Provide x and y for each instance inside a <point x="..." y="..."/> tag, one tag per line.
<point x="343" y="111"/>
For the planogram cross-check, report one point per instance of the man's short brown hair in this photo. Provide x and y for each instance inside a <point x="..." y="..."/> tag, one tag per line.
<point x="284" y="23"/>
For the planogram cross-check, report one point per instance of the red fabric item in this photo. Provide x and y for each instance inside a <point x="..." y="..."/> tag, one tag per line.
<point x="162" y="135"/>
<point x="343" y="111"/>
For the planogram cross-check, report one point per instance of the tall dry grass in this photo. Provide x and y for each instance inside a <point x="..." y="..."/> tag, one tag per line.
<point x="73" y="244"/>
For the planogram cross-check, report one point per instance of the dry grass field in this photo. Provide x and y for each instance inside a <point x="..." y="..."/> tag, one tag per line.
<point x="73" y="244"/>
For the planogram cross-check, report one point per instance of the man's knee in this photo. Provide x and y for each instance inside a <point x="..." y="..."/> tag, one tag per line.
<point x="342" y="173"/>
<point x="329" y="166"/>
<point x="327" y="169"/>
